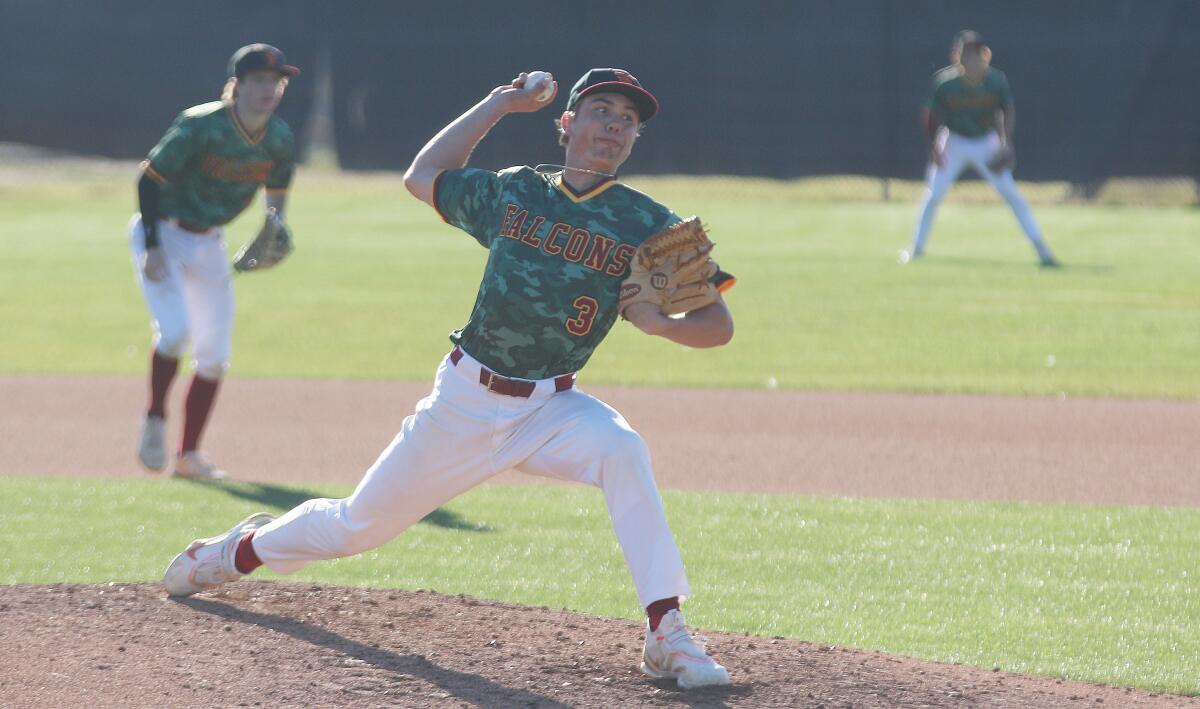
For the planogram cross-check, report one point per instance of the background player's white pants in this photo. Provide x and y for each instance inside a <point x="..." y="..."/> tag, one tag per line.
<point x="195" y="301"/>
<point x="461" y="435"/>
<point x="961" y="152"/>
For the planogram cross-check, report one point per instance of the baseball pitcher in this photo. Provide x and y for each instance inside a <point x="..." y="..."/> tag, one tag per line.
<point x="569" y="252"/>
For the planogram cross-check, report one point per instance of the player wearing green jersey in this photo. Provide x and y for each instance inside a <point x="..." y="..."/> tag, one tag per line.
<point x="202" y="174"/>
<point x="969" y="120"/>
<point x="559" y="245"/>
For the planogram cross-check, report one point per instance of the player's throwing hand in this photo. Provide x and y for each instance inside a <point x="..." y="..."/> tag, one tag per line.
<point x="521" y="98"/>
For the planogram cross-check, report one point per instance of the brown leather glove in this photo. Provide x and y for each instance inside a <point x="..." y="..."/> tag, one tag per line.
<point x="673" y="270"/>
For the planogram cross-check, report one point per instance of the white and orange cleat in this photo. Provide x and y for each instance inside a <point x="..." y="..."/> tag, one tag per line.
<point x="672" y="652"/>
<point x="208" y="563"/>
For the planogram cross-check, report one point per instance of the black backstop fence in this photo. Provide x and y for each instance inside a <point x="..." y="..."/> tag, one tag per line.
<point x="1104" y="88"/>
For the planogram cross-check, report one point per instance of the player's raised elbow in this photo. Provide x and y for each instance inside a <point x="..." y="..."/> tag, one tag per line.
<point x="420" y="182"/>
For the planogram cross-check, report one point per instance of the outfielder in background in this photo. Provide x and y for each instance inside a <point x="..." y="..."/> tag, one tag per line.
<point x="969" y="121"/>
<point x="560" y="247"/>
<point x="202" y="174"/>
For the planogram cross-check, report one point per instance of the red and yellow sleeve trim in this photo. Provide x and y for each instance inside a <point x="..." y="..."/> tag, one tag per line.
<point x="724" y="284"/>
<point x="154" y="174"/>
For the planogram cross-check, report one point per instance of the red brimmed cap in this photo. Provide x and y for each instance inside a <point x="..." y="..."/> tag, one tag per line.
<point x="259" y="57"/>
<point x="616" y="81"/>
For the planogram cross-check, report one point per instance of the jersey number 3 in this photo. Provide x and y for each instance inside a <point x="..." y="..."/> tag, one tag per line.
<point x="581" y="324"/>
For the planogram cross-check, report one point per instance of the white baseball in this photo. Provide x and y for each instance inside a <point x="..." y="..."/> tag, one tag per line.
<point x="536" y="77"/>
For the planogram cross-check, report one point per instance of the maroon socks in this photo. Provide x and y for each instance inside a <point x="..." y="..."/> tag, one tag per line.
<point x="162" y="373"/>
<point x="200" y="398"/>
<point x="244" y="559"/>
<point x="655" y="611"/>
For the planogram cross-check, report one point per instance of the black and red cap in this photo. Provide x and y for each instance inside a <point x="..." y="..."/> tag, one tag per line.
<point x="259" y="57"/>
<point x="615" y="81"/>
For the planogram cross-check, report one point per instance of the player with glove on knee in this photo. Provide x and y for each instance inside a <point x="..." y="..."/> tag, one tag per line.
<point x="199" y="177"/>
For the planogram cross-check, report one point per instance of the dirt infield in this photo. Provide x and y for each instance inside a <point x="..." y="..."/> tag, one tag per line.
<point x="285" y="644"/>
<point x="774" y="442"/>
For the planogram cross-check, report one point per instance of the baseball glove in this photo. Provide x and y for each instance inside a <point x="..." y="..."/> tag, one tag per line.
<point x="272" y="245"/>
<point x="1004" y="159"/>
<point x="672" y="269"/>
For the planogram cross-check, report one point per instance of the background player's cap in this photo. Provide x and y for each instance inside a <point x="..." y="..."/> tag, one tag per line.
<point x="967" y="38"/>
<point x="617" y="81"/>
<point x="255" y="57"/>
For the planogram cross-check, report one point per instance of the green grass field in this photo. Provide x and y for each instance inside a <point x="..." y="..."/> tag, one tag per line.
<point x="1101" y="594"/>
<point x="378" y="281"/>
<point x="1095" y="593"/>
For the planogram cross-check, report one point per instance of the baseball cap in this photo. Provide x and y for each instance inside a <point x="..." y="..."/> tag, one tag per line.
<point x="615" y="81"/>
<point x="967" y="38"/>
<point x="256" y="57"/>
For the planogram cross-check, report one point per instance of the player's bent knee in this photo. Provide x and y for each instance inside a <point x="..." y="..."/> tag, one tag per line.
<point x="171" y="345"/>
<point x="211" y="370"/>
<point x="626" y="448"/>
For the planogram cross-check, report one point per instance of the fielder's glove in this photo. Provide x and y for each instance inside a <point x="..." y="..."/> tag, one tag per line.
<point x="272" y="245"/>
<point x="1004" y="159"/>
<point x="673" y="270"/>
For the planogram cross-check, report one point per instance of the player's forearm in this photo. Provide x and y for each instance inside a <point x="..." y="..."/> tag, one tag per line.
<point x="451" y="147"/>
<point x="710" y="326"/>
<point x="930" y="123"/>
<point x="1008" y="123"/>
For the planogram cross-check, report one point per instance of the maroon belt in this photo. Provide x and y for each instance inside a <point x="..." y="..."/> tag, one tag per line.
<point x="189" y="227"/>
<point x="522" y="388"/>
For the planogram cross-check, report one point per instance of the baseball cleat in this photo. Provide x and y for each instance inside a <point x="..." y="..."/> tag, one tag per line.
<point x="208" y="563"/>
<point x="907" y="256"/>
<point x="1050" y="262"/>
<point x="152" y="444"/>
<point x="672" y="652"/>
<point x="193" y="466"/>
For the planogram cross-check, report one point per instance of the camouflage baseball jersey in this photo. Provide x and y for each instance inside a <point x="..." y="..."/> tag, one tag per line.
<point x="965" y="109"/>
<point x="210" y="167"/>
<point x="556" y="260"/>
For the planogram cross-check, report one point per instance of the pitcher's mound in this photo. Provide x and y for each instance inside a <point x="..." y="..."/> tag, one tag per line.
<point x="273" y="644"/>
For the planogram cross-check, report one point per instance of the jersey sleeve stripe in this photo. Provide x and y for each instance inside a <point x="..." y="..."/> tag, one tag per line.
<point x="154" y="174"/>
<point x="437" y="182"/>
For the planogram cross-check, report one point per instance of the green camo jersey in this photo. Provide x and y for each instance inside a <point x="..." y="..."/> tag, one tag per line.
<point x="965" y="109"/>
<point x="210" y="167"/>
<point x="556" y="260"/>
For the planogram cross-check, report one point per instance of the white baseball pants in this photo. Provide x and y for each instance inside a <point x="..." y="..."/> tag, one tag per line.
<point x="195" y="301"/>
<point x="961" y="152"/>
<point x="461" y="435"/>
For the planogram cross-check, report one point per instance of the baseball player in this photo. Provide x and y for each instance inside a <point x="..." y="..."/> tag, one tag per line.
<point x="559" y="246"/>
<point x="202" y="174"/>
<point x="969" y="121"/>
